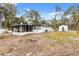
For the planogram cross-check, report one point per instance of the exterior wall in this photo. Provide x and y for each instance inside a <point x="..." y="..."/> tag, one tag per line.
<point x="38" y="29"/>
<point x="48" y="29"/>
<point x="35" y="29"/>
<point x="42" y="29"/>
<point x="63" y="26"/>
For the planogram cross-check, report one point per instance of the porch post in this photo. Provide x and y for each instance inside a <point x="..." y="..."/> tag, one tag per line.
<point x="18" y="28"/>
<point x="12" y="28"/>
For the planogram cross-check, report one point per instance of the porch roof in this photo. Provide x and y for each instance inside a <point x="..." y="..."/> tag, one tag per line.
<point x="24" y="25"/>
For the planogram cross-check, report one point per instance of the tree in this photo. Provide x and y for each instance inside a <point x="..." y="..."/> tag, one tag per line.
<point x="19" y="20"/>
<point x="43" y="22"/>
<point x="54" y="24"/>
<point x="74" y="11"/>
<point x="33" y="17"/>
<point x="54" y="21"/>
<point x="64" y="20"/>
<point x="57" y="9"/>
<point x="9" y="12"/>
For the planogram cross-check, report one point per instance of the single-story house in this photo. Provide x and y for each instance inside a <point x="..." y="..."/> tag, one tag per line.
<point x="63" y="28"/>
<point x="22" y="29"/>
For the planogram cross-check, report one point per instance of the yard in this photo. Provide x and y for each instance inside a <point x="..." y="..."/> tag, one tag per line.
<point x="43" y="44"/>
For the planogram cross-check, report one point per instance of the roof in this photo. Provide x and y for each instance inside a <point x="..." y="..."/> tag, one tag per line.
<point x="28" y="25"/>
<point x="63" y="25"/>
<point x="24" y="25"/>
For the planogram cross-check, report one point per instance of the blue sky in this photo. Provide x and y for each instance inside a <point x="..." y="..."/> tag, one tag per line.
<point x="45" y="9"/>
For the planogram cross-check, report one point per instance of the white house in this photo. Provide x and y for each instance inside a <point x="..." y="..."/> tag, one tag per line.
<point x="22" y="29"/>
<point x="63" y="28"/>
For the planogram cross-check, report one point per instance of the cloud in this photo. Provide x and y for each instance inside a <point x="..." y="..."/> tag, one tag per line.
<point x="19" y="14"/>
<point x="45" y="15"/>
<point x="57" y="13"/>
<point x="68" y="16"/>
<point x="27" y="9"/>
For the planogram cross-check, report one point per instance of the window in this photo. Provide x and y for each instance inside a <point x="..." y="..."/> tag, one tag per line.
<point x="34" y="27"/>
<point x="38" y="27"/>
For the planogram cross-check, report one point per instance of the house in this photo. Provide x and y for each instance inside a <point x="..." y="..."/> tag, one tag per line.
<point x="21" y="29"/>
<point x="63" y="28"/>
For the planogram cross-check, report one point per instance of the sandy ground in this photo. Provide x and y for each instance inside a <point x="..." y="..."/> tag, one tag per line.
<point x="35" y="45"/>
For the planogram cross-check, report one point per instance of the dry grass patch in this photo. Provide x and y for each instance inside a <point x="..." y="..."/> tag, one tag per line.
<point x="62" y="37"/>
<point x="5" y="50"/>
<point x="3" y="36"/>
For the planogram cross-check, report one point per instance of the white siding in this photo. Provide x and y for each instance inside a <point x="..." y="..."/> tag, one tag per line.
<point x="42" y="29"/>
<point x="63" y="26"/>
<point x="38" y="29"/>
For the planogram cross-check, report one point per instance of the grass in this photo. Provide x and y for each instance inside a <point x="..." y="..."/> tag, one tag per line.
<point x="5" y="50"/>
<point x="3" y="36"/>
<point x="62" y="37"/>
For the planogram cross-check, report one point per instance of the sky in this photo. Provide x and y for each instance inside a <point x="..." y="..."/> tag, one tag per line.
<point x="46" y="10"/>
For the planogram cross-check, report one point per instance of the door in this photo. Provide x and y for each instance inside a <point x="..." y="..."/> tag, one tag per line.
<point x="63" y="29"/>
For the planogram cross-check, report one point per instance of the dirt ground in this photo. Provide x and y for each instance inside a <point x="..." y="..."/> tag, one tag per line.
<point x="36" y="45"/>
